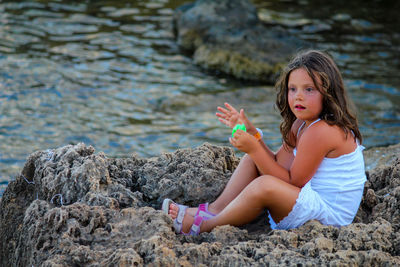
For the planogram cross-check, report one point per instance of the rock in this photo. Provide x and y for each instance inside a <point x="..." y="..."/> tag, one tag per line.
<point x="70" y="206"/>
<point x="381" y="156"/>
<point x="227" y="36"/>
<point x="73" y="207"/>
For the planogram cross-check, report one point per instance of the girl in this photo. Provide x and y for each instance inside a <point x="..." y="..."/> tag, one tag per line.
<point x="318" y="172"/>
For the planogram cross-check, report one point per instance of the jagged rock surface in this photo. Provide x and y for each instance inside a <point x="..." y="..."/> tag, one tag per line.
<point x="72" y="207"/>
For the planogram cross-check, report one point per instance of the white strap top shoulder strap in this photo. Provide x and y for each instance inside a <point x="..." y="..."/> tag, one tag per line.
<point x="317" y="120"/>
<point x="301" y="126"/>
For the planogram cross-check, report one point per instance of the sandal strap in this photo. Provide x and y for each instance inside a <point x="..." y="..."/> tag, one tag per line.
<point x="179" y="219"/>
<point x="181" y="213"/>
<point x="204" y="212"/>
<point x="195" y="229"/>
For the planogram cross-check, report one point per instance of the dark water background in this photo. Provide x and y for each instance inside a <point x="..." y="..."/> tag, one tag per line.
<point x="109" y="74"/>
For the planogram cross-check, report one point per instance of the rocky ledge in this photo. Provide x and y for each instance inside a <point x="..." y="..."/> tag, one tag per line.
<point x="227" y="36"/>
<point x="73" y="207"/>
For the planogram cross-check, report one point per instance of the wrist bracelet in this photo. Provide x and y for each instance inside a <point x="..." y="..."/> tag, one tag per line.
<point x="259" y="134"/>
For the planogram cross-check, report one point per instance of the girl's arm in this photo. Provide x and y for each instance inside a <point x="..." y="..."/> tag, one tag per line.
<point x="314" y="144"/>
<point x="281" y="164"/>
<point x="230" y="117"/>
<point x="264" y="159"/>
<point x="284" y="156"/>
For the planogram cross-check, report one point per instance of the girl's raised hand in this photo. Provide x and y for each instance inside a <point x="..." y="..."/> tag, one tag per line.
<point x="228" y="115"/>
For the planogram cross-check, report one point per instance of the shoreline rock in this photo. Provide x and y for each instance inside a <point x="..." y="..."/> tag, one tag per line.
<point x="381" y="156"/>
<point x="227" y="36"/>
<point x="72" y="206"/>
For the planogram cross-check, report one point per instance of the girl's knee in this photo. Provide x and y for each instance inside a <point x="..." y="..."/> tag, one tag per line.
<point x="273" y="193"/>
<point x="268" y="181"/>
<point x="250" y="164"/>
<point x="265" y="185"/>
<point x="273" y="188"/>
<point x="247" y="159"/>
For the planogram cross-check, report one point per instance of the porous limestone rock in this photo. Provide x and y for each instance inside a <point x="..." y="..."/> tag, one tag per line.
<point x="71" y="206"/>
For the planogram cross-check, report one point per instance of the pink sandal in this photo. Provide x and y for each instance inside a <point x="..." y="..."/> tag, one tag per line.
<point x="202" y="214"/>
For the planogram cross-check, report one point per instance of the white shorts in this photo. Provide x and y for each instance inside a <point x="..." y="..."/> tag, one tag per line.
<point x="310" y="206"/>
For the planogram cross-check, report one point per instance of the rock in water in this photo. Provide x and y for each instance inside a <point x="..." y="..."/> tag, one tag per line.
<point x="227" y="36"/>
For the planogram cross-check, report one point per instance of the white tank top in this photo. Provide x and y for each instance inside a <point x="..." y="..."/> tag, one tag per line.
<point x="337" y="178"/>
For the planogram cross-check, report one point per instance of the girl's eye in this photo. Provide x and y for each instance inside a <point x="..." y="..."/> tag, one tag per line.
<point x="309" y="89"/>
<point x="292" y="89"/>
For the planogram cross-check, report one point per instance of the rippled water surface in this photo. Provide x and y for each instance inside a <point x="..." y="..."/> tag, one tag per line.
<point x="109" y="74"/>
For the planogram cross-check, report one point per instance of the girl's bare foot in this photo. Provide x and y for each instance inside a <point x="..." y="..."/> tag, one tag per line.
<point x="173" y="211"/>
<point x="187" y="219"/>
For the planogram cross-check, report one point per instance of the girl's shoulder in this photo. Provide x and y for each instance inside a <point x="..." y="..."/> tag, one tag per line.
<point x="335" y="140"/>
<point x="326" y="130"/>
<point x="319" y="127"/>
<point x="322" y="130"/>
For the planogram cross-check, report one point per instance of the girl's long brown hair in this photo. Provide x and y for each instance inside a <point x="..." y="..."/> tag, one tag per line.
<point x="338" y="109"/>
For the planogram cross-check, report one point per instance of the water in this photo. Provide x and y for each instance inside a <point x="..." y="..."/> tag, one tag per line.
<point x="109" y="74"/>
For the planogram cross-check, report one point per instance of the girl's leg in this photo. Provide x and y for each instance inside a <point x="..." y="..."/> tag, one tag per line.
<point x="265" y="192"/>
<point x="243" y="175"/>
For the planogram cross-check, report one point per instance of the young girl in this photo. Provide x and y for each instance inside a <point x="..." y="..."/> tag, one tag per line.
<point x="318" y="172"/>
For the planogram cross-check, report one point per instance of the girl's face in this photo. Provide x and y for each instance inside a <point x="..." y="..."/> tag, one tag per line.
<point x="305" y="100"/>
